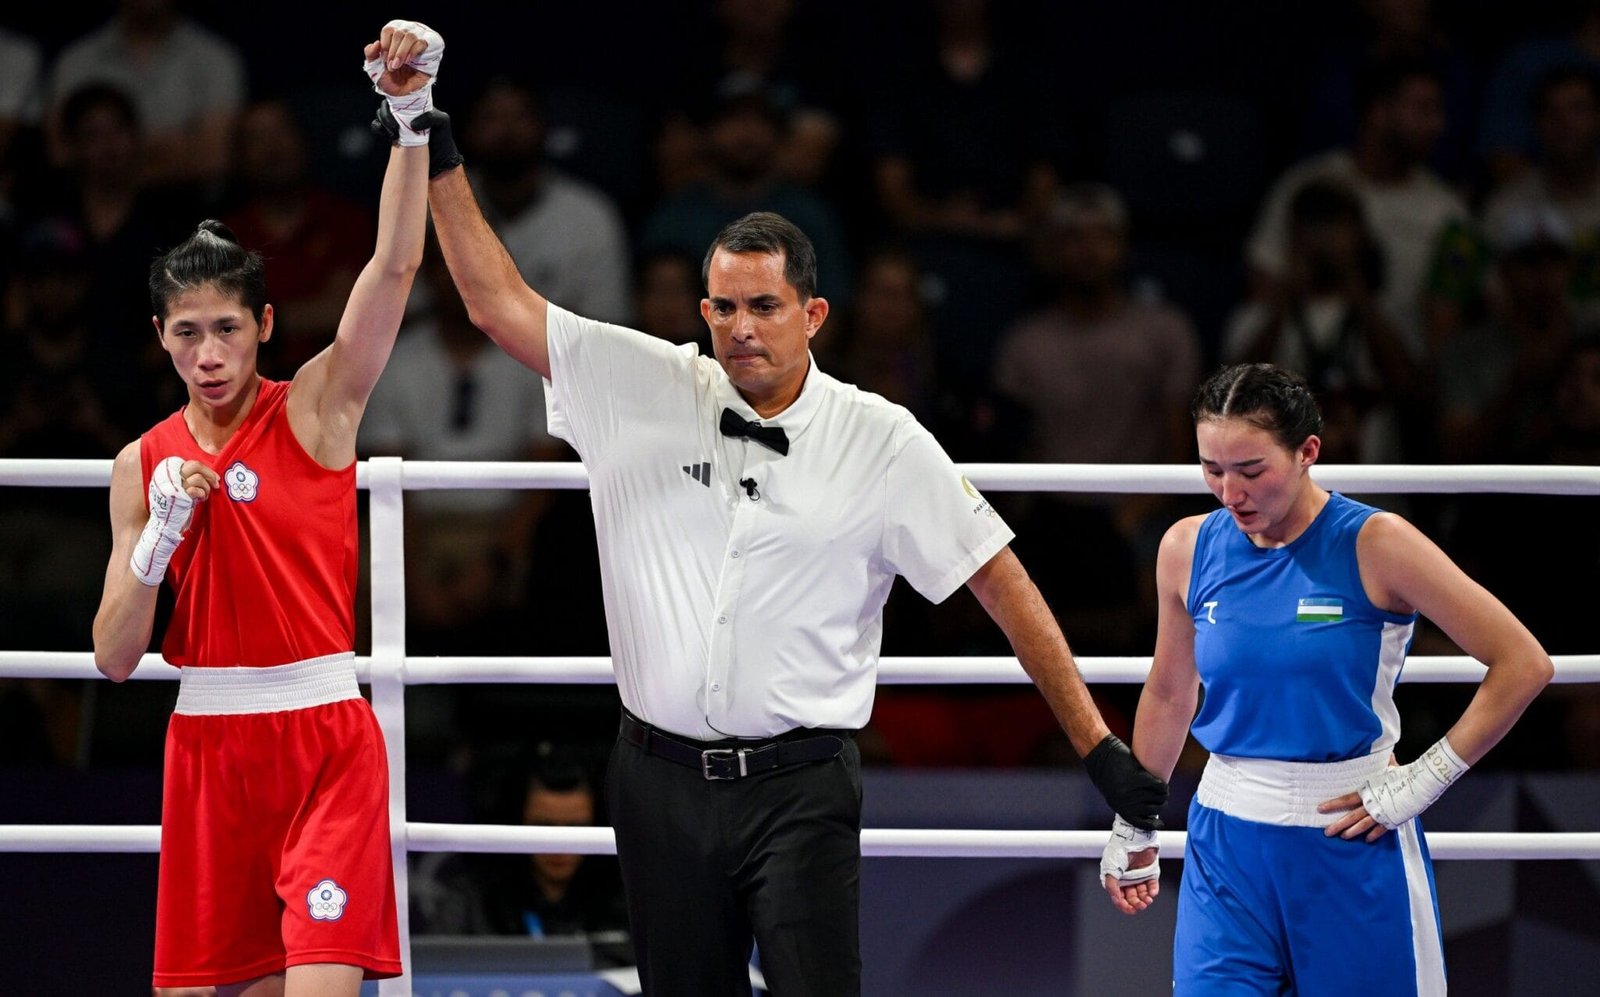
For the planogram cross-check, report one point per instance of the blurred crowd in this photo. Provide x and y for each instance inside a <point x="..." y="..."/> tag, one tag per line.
<point x="1039" y="225"/>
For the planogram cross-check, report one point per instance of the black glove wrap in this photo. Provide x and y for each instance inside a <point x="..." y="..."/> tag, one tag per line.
<point x="1133" y="791"/>
<point x="442" y="153"/>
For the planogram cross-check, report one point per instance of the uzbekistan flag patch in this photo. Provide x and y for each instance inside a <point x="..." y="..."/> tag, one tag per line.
<point x="1319" y="610"/>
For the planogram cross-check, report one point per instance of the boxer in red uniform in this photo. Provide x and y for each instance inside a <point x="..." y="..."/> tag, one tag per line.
<point x="275" y="848"/>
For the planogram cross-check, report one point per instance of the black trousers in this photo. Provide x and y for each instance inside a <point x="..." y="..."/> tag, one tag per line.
<point x="709" y="867"/>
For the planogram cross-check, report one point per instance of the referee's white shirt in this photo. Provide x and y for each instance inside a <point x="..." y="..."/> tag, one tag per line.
<point x="733" y="616"/>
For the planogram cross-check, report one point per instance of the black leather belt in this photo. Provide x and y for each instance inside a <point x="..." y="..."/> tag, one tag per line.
<point x="732" y="762"/>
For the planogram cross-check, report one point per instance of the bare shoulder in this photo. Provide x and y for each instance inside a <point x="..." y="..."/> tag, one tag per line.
<point x="127" y="484"/>
<point x="1399" y="565"/>
<point x="1387" y="524"/>
<point x="1386" y="535"/>
<point x="1175" y="558"/>
<point x="1180" y="537"/>
<point x="127" y="462"/>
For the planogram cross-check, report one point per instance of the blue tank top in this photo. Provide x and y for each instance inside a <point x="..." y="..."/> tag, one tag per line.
<point x="1296" y="662"/>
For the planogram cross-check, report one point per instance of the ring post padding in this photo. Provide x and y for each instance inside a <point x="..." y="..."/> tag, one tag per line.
<point x="386" y="669"/>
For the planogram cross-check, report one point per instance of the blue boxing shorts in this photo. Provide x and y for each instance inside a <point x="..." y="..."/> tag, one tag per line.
<point x="1270" y="905"/>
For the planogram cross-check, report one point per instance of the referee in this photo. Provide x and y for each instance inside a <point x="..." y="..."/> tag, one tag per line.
<point x="752" y="513"/>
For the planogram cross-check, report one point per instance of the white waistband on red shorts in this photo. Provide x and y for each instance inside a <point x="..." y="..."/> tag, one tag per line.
<point x="1269" y="791"/>
<point x="208" y="692"/>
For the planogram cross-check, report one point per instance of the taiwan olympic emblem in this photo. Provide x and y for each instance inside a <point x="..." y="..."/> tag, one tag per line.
<point x="326" y="901"/>
<point x="243" y="483"/>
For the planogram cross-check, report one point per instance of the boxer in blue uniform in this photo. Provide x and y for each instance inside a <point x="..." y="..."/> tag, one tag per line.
<point x="1294" y="608"/>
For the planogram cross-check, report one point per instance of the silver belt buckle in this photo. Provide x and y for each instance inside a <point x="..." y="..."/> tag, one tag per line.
<point x="710" y="753"/>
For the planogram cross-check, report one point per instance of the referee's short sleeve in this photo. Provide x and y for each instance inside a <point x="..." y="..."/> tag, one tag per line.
<point x="601" y="376"/>
<point x="938" y="529"/>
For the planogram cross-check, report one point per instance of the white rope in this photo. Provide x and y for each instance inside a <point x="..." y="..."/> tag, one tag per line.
<point x="80" y="837"/>
<point x="892" y="670"/>
<point x="40" y="473"/>
<point x="875" y="842"/>
<point x="390" y="670"/>
<point x="1125" y="478"/>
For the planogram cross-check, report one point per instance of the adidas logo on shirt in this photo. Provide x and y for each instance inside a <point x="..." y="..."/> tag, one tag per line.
<point x="700" y="472"/>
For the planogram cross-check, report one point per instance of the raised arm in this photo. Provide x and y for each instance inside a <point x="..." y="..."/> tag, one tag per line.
<point x="1014" y="603"/>
<point x="330" y="392"/>
<point x="498" y="300"/>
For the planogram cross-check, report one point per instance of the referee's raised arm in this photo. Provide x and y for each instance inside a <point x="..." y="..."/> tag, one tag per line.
<point x="498" y="300"/>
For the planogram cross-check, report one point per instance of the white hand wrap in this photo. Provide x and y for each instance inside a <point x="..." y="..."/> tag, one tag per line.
<point x="1126" y="839"/>
<point x="170" y="510"/>
<point x="406" y="107"/>
<point x="1404" y="791"/>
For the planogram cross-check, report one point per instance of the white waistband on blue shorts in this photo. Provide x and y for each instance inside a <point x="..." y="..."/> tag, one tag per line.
<point x="210" y="692"/>
<point x="1269" y="791"/>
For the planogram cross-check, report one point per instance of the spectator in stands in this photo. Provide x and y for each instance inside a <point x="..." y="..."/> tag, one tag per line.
<point x="448" y="394"/>
<point x="1566" y="172"/>
<point x="1507" y="142"/>
<point x="1494" y="378"/>
<point x="886" y="345"/>
<point x="744" y="134"/>
<point x="540" y="895"/>
<point x="56" y="391"/>
<point x="100" y="192"/>
<point x="962" y="143"/>
<point x="1571" y="433"/>
<point x="314" y="241"/>
<point x="1407" y="206"/>
<point x="760" y="42"/>
<point x="1386" y="30"/>
<point x="188" y="83"/>
<point x="666" y="299"/>
<point x="1324" y="318"/>
<point x="1565" y="175"/>
<point x="565" y="235"/>
<point x="962" y="151"/>
<point x="20" y="84"/>
<point x="1554" y="600"/>
<point x="1105" y="378"/>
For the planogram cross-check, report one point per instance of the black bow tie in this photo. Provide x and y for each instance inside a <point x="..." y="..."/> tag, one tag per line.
<point x="773" y="437"/>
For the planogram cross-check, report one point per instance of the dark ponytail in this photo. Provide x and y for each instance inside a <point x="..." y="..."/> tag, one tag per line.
<point x="212" y="255"/>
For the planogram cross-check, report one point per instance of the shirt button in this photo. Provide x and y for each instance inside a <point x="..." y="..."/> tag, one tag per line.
<point x="735" y="553"/>
<point x="722" y="619"/>
<point x="716" y="687"/>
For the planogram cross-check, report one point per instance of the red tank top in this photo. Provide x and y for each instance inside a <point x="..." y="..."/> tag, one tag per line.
<point x="267" y="573"/>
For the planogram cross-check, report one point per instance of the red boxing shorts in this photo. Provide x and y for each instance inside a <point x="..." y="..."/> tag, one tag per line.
<point x="275" y="847"/>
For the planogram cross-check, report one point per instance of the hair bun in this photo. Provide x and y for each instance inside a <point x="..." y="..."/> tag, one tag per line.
<point x="216" y="228"/>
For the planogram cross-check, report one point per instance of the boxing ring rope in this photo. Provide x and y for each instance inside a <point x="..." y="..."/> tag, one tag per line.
<point x="388" y="670"/>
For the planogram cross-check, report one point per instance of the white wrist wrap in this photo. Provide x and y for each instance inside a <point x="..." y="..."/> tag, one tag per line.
<point x="1403" y="792"/>
<point x="170" y="510"/>
<point x="1126" y="839"/>
<point x="406" y="107"/>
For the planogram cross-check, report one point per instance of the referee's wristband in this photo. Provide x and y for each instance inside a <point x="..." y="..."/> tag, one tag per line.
<point x="442" y="152"/>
